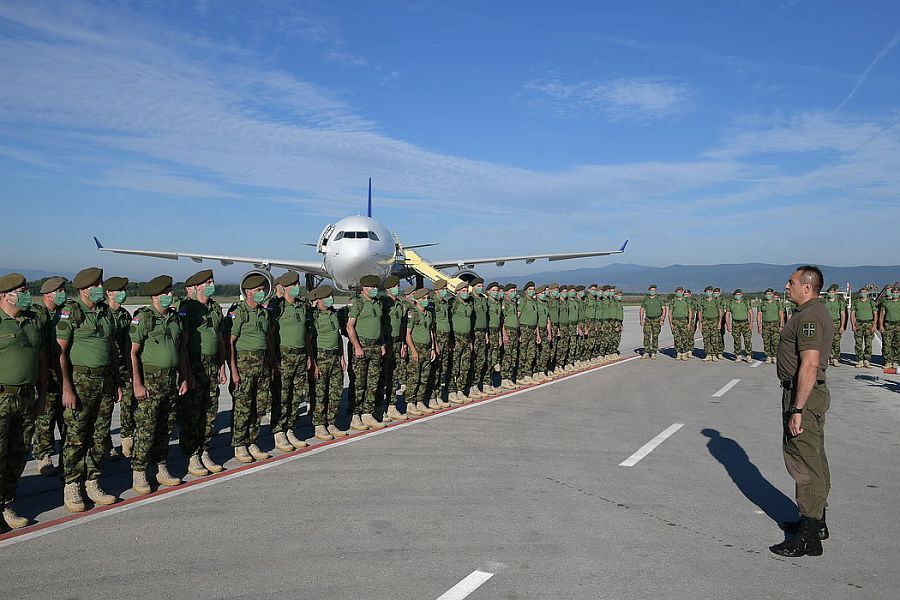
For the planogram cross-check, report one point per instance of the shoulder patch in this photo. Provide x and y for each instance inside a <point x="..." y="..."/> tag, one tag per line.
<point x="231" y="315"/>
<point x="132" y="329"/>
<point x="62" y="325"/>
<point x="808" y="330"/>
<point x="136" y="320"/>
<point x="65" y="313"/>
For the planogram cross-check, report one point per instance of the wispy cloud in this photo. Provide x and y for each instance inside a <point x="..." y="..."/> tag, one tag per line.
<point x="638" y="100"/>
<point x="865" y="74"/>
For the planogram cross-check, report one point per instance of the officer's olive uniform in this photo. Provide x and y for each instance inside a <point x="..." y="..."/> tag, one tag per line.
<point x="653" y="309"/>
<point x="809" y="328"/>
<point x="251" y="327"/>
<point x="90" y="333"/>
<point x="421" y="385"/>
<point x="325" y="329"/>
<point x="366" y="370"/>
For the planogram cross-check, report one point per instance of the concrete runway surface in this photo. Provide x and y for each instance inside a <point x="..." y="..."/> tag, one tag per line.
<point x="642" y="479"/>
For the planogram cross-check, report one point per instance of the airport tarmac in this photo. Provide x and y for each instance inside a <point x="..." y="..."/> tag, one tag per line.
<point x="640" y="479"/>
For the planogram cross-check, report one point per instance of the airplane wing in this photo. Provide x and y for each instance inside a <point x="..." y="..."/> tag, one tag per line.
<point x="501" y="260"/>
<point x="314" y="268"/>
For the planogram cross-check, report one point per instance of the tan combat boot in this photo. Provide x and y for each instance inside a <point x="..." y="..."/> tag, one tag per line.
<point x="322" y="433"/>
<point x="337" y="433"/>
<point x="294" y="441"/>
<point x="139" y="483"/>
<point x="371" y="422"/>
<point x="163" y="477"/>
<point x="72" y="497"/>
<point x="386" y="418"/>
<point x="257" y="453"/>
<point x="357" y="424"/>
<point x="210" y="465"/>
<point x="394" y="414"/>
<point x="282" y="443"/>
<point x="127" y="446"/>
<point x="241" y="455"/>
<point x="420" y="406"/>
<point x="506" y="384"/>
<point x="96" y="493"/>
<point x="45" y="467"/>
<point x="453" y="398"/>
<point x="528" y="380"/>
<point x="195" y="466"/>
<point x="434" y="405"/>
<point x="411" y="410"/>
<point x="859" y="364"/>
<point x="13" y="519"/>
<point x="866" y="364"/>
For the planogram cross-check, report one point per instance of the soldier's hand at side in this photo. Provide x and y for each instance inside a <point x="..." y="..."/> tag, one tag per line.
<point x="433" y="355"/>
<point x="343" y="364"/>
<point x="183" y="388"/>
<point x="794" y="425"/>
<point x="119" y="394"/>
<point x="403" y="351"/>
<point x="223" y="377"/>
<point x="140" y="392"/>
<point x="414" y="355"/>
<point x="873" y="330"/>
<point x="358" y="352"/>
<point x="383" y="349"/>
<point x="235" y="378"/>
<point x="69" y="399"/>
<point x="316" y="372"/>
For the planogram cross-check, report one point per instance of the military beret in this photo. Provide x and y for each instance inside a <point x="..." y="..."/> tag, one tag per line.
<point x="770" y="290"/>
<point x="553" y="286"/>
<point x="253" y="281"/>
<point x="391" y="281"/>
<point x="652" y="285"/>
<point x="115" y="284"/>
<point x="540" y="289"/>
<point x="422" y="293"/>
<point x="323" y="291"/>
<point x="440" y="284"/>
<point x="605" y="287"/>
<point x="528" y="284"/>
<point x="708" y="288"/>
<point x="579" y="288"/>
<point x="716" y="290"/>
<point x="477" y="280"/>
<point x="595" y="285"/>
<point x="11" y="281"/>
<point x="833" y="286"/>
<point x="509" y="286"/>
<point x="462" y="287"/>
<point x="288" y="278"/>
<point x="52" y="284"/>
<point x="159" y="284"/>
<point x="369" y="280"/>
<point x="739" y="291"/>
<point x="407" y="290"/>
<point x="87" y="277"/>
<point x="199" y="277"/>
<point x="492" y="284"/>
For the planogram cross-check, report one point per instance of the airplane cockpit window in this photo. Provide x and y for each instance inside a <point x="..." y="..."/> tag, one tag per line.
<point x="372" y="236"/>
<point x="339" y="236"/>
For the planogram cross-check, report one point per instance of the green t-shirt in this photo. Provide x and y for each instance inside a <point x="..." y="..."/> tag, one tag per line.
<point x="543" y="313"/>
<point x="250" y="326"/>
<point x="835" y="308"/>
<point x="461" y="314"/>
<point x="292" y="323"/>
<point x="681" y="308"/>
<point x="864" y="311"/>
<point x="480" y="308"/>
<point x="709" y="308"/>
<point x="122" y="319"/>
<point x="892" y="311"/>
<point x="528" y="312"/>
<point x="553" y="310"/>
<point x="574" y="312"/>
<point x="90" y="333"/>
<point x="653" y="307"/>
<point x="771" y="311"/>
<point x="368" y="314"/>
<point x="202" y="324"/>
<point x="510" y="313"/>
<point x="740" y="311"/>
<point x="326" y="329"/>
<point x="618" y="310"/>
<point x="494" y="313"/>
<point x="393" y="311"/>
<point x="421" y="324"/>
<point x="159" y="336"/>
<point x="21" y="341"/>
<point x="442" y="315"/>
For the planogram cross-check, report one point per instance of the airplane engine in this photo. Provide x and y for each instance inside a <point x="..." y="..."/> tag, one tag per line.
<point x="269" y="286"/>
<point x="466" y="275"/>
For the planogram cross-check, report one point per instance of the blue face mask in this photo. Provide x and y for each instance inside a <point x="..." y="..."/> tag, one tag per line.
<point x="96" y="294"/>
<point x="328" y="302"/>
<point x="120" y="297"/>
<point x="166" y="301"/>
<point x="23" y="300"/>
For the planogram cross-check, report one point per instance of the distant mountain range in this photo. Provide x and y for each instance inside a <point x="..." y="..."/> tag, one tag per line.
<point x="751" y="277"/>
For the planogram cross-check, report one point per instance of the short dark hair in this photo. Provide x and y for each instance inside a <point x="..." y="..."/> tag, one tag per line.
<point x="813" y="276"/>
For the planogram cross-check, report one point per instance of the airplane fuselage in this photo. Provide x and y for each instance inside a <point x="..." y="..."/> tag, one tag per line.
<point x="354" y="247"/>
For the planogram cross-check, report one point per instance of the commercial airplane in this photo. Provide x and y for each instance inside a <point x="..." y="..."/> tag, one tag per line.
<point x="356" y="246"/>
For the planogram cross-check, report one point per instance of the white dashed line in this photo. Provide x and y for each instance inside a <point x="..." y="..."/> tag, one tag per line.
<point x="755" y="364"/>
<point x="468" y="585"/>
<point x="725" y="388"/>
<point x="649" y="446"/>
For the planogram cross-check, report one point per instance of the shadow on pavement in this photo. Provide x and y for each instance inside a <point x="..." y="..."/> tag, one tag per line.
<point x="748" y="479"/>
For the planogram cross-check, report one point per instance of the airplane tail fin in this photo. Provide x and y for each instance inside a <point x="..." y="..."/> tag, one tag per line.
<point x="622" y="249"/>
<point x="99" y="245"/>
<point x="370" y="198"/>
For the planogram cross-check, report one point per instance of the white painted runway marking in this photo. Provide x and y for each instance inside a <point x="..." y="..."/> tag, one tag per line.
<point x="876" y="343"/>
<point x="725" y="388"/>
<point x="755" y="364"/>
<point x="649" y="446"/>
<point x="468" y="585"/>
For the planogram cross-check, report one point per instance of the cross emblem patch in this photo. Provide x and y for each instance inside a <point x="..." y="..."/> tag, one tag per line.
<point x="809" y="330"/>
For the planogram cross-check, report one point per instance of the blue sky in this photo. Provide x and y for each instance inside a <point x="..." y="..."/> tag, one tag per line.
<point x="705" y="132"/>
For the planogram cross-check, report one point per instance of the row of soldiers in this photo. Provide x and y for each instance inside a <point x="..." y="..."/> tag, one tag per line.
<point x="65" y="362"/>
<point x="715" y="315"/>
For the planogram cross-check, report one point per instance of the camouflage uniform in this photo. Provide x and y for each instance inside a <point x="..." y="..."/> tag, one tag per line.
<point x="39" y="431"/>
<point x="122" y="318"/>
<point x="480" y="367"/>
<point x="890" y="341"/>
<point x="393" y="371"/>
<point x="865" y="315"/>
<point x="293" y="322"/>
<point x="512" y="348"/>
<point x="771" y="325"/>
<point x="421" y="385"/>
<point x="443" y="336"/>
<point x="326" y="339"/>
<point x="461" y="314"/>
<point x="528" y="348"/>
<point x="741" y="317"/>
<point x="681" y="308"/>
<point x="545" y="350"/>
<point x="197" y="410"/>
<point x="496" y="352"/>
<point x="252" y="328"/>
<point x="653" y="311"/>
<point x="710" y="318"/>
<point x="366" y="370"/>
<point x="836" y="310"/>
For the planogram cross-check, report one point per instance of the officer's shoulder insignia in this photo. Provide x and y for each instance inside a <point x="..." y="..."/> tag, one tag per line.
<point x="809" y="330"/>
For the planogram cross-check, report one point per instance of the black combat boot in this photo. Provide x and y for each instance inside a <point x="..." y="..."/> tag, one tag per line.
<point x="792" y="527"/>
<point x="806" y="542"/>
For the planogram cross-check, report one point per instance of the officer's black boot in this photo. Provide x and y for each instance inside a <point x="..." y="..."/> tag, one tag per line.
<point x="806" y="542"/>
<point x="792" y="527"/>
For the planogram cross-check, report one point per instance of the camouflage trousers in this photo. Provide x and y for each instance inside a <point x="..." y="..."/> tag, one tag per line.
<point x="804" y="455"/>
<point x="292" y="388"/>
<point x="770" y="334"/>
<point x="154" y="418"/>
<point x="251" y="397"/>
<point x="710" y="329"/>
<point x="511" y="354"/>
<point x="547" y="353"/>
<point x="743" y="338"/>
<point x="652" y="327"/>
<point x="836" y="341"/>
<point x="326" y="394"/>
<point x="127" y="404"/>
<point x="444" y="367"/>
<point x="495" y="351"/>
<point x="863" y="339"/>
<point x="480" y="352"/>
<point x="462" y="363"/>
<point x="39" y="434"/>
<point x="420" y="382"/>
<point x="617" y="327"/>
<point x="563" y="342"/>
<point x="528" y="351"/>
<point x="87" y="426"/>
<point x="890" y="341"/>
<point x="394" y="372"/>
<point x="197" y="409"/>
<point x="683" y="337"/>
<point x="16" y="404"/>
<point x="366" y="377"/>
<point x="603" y="338"/>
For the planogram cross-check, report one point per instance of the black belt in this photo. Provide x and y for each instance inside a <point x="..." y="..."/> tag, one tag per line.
<point x="98" y="371"/>
<point x="368" y="342"/>
<point x="16" y="388"/>
<point x="869" y="321"/>
<point x="287" y="350"/>
<point x="251" y="352"/>
<point x="740" y="320"/>
<point x="334" y="352"/>
<point x="154" y="370"/>
<point x="789" y="385"/>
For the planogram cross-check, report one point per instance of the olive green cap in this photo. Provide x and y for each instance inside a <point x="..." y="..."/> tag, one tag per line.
<point x="323" y="291"/>
<point x="529" y="284"/>
<point x="606" y="287"/>
<point x="717" y="290"/>
<point x="407" y="290"/>
<point x="833" y="286"/>
<point x="253" y="281"/>
<point x="708" y="288"/>
<point x="462" y="287"/>
<point x="440" y="284"/>
<point x="11" y="281"/>
<point x="739" y="291"/>
<point x="477" y="280"/>
<point x="115" y="284"/>
<point x="369" y="280"/>
<point x="540" y="289"/>
<point x="158" y="285"/>
<point x="199" y="277"/>
<point x="770" y="290"/>
<point x="391" y="281"/>
<point x="651" y="286"/>
<point x="288" y="278"/>
<point x="509" y="286"/>
<point x="422" y="293"/>
<point x="87" y="277"/>
<point x="52" y="284"/>
<point x="553" y="286"/>
<point x="579" y="288"/>
<point x="491" y="285"/>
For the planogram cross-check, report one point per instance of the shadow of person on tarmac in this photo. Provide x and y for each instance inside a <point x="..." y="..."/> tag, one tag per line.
<point x="748" y="479"/>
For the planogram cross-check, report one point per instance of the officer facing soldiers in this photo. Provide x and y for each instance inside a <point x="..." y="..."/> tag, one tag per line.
<point x="769" y="321"/>
<point x="423" y="353"/>
<point x="443" y="334"/>
<point x="89" y="368"/>
<point x="862" y="320"/>
<point x="292" y="343"/>
<point x="835" y="305"/>
<point x="680" y="317"/>
<point x="367" y="341"/>
<point x="202" y="322"/>
<point x="528" y="335"/>
<point x="251" y="358"/>
<point x="158" y="357"/>
<point x="652" y="314"/>
<point x="393" y="315"/>
<point x="115" y="289"/>
<point x="328" y="364"/>
<point x="710" y="320"/>
<point x="40" y="433"/>
<point x="23" y="366"/>
<point x="461" y="319"/>
<point x="737" y="321"/>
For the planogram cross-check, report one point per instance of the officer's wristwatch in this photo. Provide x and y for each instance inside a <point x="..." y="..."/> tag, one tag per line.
<point x="794" y="411"/>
